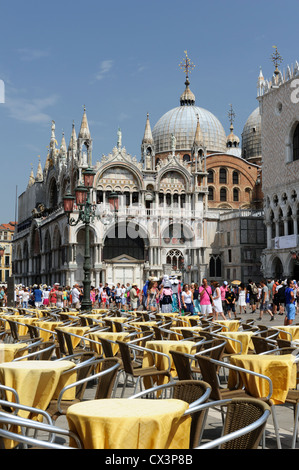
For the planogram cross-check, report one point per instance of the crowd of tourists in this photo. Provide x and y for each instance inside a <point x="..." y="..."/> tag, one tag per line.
<point x="169" y="294"/>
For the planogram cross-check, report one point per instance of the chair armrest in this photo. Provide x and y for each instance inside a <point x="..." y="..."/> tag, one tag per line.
<point x="86" y="379"/>
<point x="234" y="435"/>
<point x="151" y="351"/>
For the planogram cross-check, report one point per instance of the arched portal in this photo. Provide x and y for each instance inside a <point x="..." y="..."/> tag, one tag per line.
<point x="124" y="253"/>
<point x="277" y="268"/>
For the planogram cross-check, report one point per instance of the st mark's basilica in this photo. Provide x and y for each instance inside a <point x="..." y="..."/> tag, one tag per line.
<point x="172" y="209"/>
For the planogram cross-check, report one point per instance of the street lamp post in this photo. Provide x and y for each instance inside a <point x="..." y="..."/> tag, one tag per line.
<point x="86" y="216"/>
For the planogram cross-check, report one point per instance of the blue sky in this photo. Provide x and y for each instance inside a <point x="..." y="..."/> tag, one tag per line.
<point x="121" y="59"/>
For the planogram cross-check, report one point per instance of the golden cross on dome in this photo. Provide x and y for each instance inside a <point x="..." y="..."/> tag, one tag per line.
<point x="186" y="65"/>
<point x="276" y="59"/>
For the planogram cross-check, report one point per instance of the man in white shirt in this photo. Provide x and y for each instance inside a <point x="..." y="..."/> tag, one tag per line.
<point x="76" y="296"/>
<point x="118" y="293"/>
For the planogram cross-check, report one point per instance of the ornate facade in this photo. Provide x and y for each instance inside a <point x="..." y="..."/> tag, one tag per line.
<point x="167" y="215"/>
<point x="279" y="109"/>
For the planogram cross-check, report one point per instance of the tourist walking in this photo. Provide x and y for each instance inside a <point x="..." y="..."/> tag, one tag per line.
<point x="166" y="296"/>
<point x="230" y="299"/>
<point x="206" y="300"/>
<point x="187" y="297"/>
<point x="217" y="302"/>
<point x="290" y="303"/>
<point x="134" y="295"/>
<point x="242" y="298"/>
<point x="265" y="301"/>
<point x="196" y="299"/>
<point x="75" y="293"/>
<point x="152" y="296"/>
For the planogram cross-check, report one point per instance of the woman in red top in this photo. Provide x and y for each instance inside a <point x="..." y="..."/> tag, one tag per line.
<point x="53" y="296"/>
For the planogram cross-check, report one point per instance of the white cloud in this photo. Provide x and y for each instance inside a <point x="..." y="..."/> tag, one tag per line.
<point x="32" y="111"/>
<point x="105" y="67"/>
<point x="29" y="55"/>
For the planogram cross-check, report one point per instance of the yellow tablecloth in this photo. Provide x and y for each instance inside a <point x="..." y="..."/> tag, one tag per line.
<point x="230" y="325"/>
<point x="293" y="329"/>
<point x="35" y="381"/>
<point x="280" y="369"/>
<point x="113" y="336"/>
<point x="9" y="351"/>
<point x="131" y="424"/>
<point x="234" y="347"/>
<point x="47" y="325"/>
<point x="22" y="329"/>
<point x="76" y="330"/>
<point x="161" y="362"/>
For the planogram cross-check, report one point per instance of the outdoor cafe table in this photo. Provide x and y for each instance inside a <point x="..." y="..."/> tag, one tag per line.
<point x="230" y="325"/>
<point x="9" y="351"/>
<point x="75" y="330"/>
<point x="293" y="329"/>
<point x="243" y="336"/>
<point x="113" y="336"/>
<point x="115" y="423"/>
<point x="35" y="381"/>
<point x="46" y="325"/>
<point x="281" y="369"/>
<point x="161" y="362"/>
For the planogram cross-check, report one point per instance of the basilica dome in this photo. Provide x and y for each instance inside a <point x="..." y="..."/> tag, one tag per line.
<point x="251" y="137"/>
<point x="182" y="123"/>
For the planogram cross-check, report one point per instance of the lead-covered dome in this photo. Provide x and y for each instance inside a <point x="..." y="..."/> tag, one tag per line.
<point x="251" y="137"/>
<point x="182" y="122"/>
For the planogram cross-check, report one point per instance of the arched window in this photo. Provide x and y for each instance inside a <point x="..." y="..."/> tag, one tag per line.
<point x="236" y="195"/>
<point x="222" y="176"/>
<point x="211" y="194"/>
<point x="235" y="177"/>
<point x="215" y="266"/>
<point x="186" y="158"/>
<point x="296" y="143"/>
<point x="210" y="176"/>
<point x="223" y="194"/>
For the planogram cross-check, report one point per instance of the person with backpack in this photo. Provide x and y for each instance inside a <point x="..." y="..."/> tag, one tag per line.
<point x="253" y="291"/>
<point x="279" y="297"/>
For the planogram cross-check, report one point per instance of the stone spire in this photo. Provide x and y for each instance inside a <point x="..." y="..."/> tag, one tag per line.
<point x="31" y="178"/>
<point x="73" y="139"/>
<point x="84" y="130"/>
<point x="198" y="139"/>
<point x="147" y="138"/>
<point x="39" y="173"/>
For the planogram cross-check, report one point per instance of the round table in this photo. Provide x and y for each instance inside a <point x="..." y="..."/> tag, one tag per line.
<point x="9" y="351"/>
<point x="131" y="424"/>
<point x="281" y="370"/>
<point x="113" y="336"/>
<point x="35" y="381"/>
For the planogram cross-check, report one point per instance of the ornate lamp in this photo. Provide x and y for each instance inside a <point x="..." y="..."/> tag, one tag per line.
<point x="68" y="203"/>
<point x="81" y="193"/>
<point x="88" y="175"/>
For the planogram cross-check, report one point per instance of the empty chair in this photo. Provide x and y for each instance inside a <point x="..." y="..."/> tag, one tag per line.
<point x="141" y="372"/>
<point x="244" y="424"/>
<point x="193" y="392"/>
<point x="262" y="345"/>
<point x="85" y="373"/>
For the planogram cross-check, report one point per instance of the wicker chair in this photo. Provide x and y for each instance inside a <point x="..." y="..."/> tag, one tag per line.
<point x="244" y="424"/>
<point x="85" y="373"/>
<point x="141" y="372"/>
<point x="193" y="392"/>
